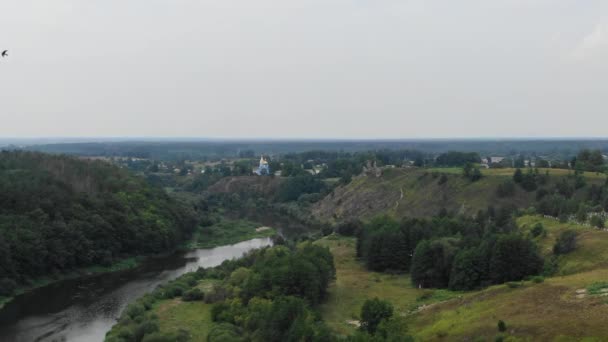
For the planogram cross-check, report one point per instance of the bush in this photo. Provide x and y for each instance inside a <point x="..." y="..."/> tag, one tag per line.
<point x="502" y="326"/>
<point x="513" y="284"/>
<point x="373" y="312"/>
<point x="538" y="279"/>
<point x="597" y="221"/>
<point x="7" y="286"/>
<point x="537" y="230"/>
<point x="180" y="336"/>
<point x="135" y="310"/>
<point x="566" y="242"/>
<point x="506" y="189"/>
<point x="349" y="228"/>
<point x="327" y="230"/>
<point x="193" y="295"/>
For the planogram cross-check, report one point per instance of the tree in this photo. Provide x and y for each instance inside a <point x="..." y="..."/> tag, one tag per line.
<point x="469" y="269"/>
<point x="502" y="326"/>
<point x="566" y="242"/>
<point x="471" y="172"/>
<point x="505" y="189"/>
<point x="597" y="221"/>
<point x="518" y="176"/>
<point x="528" y="181"/>
<point x="514" y="258"/>
<point x="588" y="160"/>
<point x="432" y="263"/>
<point x="453" y="158"/>
<point x="373" y="312"/>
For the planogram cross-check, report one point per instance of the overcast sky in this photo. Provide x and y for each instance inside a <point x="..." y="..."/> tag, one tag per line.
<point x="304" y="69"/>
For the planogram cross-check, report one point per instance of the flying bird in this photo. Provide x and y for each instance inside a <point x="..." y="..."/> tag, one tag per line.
<point x="5" y="53"/>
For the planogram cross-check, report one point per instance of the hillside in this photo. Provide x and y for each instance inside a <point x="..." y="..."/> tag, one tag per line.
<point x="421" y="193"/>
<point x="568" y="307"/>
<point x="60" y="213"/>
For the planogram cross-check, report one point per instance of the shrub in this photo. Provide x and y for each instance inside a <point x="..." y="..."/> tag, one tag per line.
<point x="327" y="230"/>
<point x="506" y="189"/>
<point x="135" y="310"/>
<point x="180" y="336"/>
<point x="538" y="279"/>
<point x="193" y="295"/>
<point x="597" y="221"/>
<point x="349" y="228"/>
<point x="373" y="312"/>
<point x="566" y="242"/>
<point x="502" y="326"/>
<point x="537" y="230"/>
<point x="513" y="284"/>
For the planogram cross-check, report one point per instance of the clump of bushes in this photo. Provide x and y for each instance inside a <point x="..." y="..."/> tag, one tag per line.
<point x="193" y="295"/>
<point x="502" y="326"/>
<point x="566" y="242"/>
<point x="538" y="230"/>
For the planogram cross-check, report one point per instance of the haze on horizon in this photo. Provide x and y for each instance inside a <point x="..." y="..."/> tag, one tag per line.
<point x="304" y="69"/>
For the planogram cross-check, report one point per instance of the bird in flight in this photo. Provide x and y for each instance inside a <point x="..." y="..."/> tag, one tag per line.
<point x="5" y="53"/>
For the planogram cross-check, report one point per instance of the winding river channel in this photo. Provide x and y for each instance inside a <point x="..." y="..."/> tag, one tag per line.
<point x="84" y="309"/>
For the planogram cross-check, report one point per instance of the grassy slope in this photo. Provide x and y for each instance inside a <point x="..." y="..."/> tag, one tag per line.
<point x="552" y="310"/>
<point x="354" y="284"/>
<point x="592" y="244"/>
<point x="422" y="195"/>
<point x="534" y="312"/>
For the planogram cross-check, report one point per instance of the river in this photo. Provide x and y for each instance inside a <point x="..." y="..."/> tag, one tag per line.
<point x="84" y="309"/>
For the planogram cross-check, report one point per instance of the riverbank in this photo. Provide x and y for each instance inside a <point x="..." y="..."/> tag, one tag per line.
<point x="228" y="232"/>
<point x="122" y="265"/>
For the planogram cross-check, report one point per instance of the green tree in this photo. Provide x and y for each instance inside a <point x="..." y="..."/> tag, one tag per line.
<point x="373" y="312"/>
<point x="518" y="176"/>
<point x="514" y="258"/>
<point x="566" y="242"/>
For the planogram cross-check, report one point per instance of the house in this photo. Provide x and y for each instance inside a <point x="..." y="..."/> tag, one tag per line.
<point x="496" y="160"/>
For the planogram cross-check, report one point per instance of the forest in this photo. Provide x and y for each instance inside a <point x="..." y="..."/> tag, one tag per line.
<point x="60" y="213"/>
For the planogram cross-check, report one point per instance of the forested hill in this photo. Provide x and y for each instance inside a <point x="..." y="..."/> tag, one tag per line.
<point x="59" y="213"/>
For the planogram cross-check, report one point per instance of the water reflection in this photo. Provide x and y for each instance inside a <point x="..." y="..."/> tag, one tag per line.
<point x="85" y="309"/>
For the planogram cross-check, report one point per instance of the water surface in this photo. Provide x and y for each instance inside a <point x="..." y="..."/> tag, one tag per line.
<point x="85" y="309"/>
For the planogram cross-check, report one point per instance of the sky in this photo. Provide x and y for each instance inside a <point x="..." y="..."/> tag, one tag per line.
<point x="304" y="68"/>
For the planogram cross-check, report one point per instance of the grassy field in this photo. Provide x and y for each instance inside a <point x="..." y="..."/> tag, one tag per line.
<point x="354" y="284"/>
<point x="227" y="232"/>
<point x="195" y="317"/>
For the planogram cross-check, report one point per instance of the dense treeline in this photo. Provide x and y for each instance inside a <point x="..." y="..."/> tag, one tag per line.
<point x="59" y="213"/>
<point x="175" y="150"/>
<point x="456" y="252"/>
<point x="454" y="158"/>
